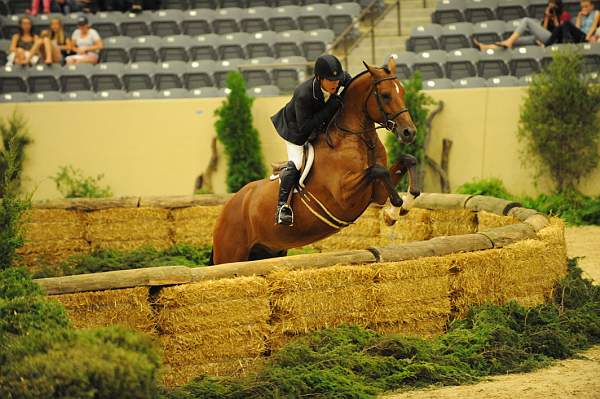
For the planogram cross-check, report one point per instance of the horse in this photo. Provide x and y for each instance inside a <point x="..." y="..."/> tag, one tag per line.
<point x="349" y="173"/>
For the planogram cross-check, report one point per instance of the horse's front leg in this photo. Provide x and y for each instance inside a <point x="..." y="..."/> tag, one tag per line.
<point x="379" y="172"/>
<point x="405" y="164"/>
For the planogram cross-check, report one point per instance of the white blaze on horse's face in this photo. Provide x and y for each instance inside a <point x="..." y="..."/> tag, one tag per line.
<point x="397" y="88"/>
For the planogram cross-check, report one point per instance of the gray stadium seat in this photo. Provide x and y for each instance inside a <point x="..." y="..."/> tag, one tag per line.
<point x="13" y="79"/>
<point x="342" y="15"/>
<point x="456" y="36"/>
<point x="166" y="22"/>
<point x="424" y="37"/>
<point x="137" y="76"/>
<point x="493" y="63"/>
<point x="205" y="92"/>
<point x="106" y="24"/>
<point x="468" y="83"/>
<point x="107" y="76"/>
<point x="436" y="84"/>
<point x="112" y="95"/>
<point x="204" y="4"/>
<point x="287" y="78"/>
<point x="143" y="94"/>
<point x="198" y="74"/>
<point x="45" y="96"/>
<point x="144" y="48"/>
<point x="480" y="10"/>
<point x="489" y="31"/>
<point x="197" y="22"/>
<point x="135" y="24"/>
<point x="503" y="81"/>
<point x="287" y="44"/>
<point x="508" y="10"/>
<point x="430" y="64"/>
<point x="14" y="97"/>
<point x="316" y="42"/>
<point x="168" y="75"/>
<point x="404" y="64"/>
<point x="223" y="92"/>
<point x="222" y="68"/>
<point x="232" y="45"/>
<point x="174" y="93"/>
<point x="257" y="76"/>
<point x="4" y="8"/>
<point x="79" y="96"/>
<point x="231" y="3"/>
<point x="174" y="48"/>
<point x="548" y="52"/>
<point x="175" y="4"/>
<point x="260" y="44"/>
<point x="536" y="9"/>
<point x="282" y="3"/>
<point x="42" y="21"/>
<point x="591" y="54"/>
<point x="75" y="78"/>
<point x="525" y="60"/>
<point x="462" y="63"/>
<point x="313" y="16"/>
<point x="525" y="80"/>
<point x="43" y="79"/>
<point x="204" y="47"/>
<point x="9" y="25"/>
<point x="260" y="3"/>
<point x="18" y="6"/>
<point x="4" y="51"/>
<point x="448" y="12"/>
<point x="116" y="49"/>
<point x="255" y="19"/>
<point x="226" y="20"/>
<point x="264" y="91"/>
<point x="284" y="18"/>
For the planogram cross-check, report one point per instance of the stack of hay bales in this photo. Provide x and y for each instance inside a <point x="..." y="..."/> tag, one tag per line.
<point x="363" y="233"/>
<point x="129" y="228"/>
<point x="488" y="220"/>
<point x="213" y="327"/>
<point x="449" y="222"/>
<point x="127" y="307"/>
<point x="414" y="226"/>
<point x="51" y="236"/>
<point x="194" y="225"/>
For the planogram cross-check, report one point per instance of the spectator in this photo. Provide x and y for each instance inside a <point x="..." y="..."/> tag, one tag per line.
<point x="66" y="6"/>
<point x="53" y="43"/>
<point x="22" y="43"/>
<point x="86" y="44"/>
<point x="35" y="6"/>
<point x="554" y="16"/>
<point x="583" y="30"/>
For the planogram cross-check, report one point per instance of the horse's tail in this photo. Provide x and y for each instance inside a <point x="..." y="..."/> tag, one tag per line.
<point x="211" y="261"/>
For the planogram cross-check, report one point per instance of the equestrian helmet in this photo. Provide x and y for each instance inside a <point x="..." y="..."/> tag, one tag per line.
<point x="328" y="67"/>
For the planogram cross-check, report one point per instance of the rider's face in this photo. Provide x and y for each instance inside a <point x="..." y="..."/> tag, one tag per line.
<point x="330" y="86"/>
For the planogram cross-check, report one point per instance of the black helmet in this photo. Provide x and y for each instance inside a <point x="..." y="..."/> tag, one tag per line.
<point x="329" y="67"/>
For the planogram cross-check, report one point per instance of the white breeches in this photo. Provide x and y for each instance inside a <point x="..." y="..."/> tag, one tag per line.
<point x="295" y="154"/>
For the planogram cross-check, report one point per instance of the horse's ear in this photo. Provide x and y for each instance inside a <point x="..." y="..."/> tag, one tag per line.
<point x="370" y="68"/>
<point x="392" y="65"/>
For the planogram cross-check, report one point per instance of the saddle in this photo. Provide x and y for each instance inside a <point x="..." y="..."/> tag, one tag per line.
<point x="307" y="162"/>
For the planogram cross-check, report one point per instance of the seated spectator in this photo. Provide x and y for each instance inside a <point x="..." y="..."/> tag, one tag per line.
<point x="554" y="16"/>
<point x="86" y="44"/>
<point x="582" y="31"/>
<point x="66" y="6"/>
<point x="53" y="43"/>
<point x="35" y="6"/>
<point x="22" y="44"/>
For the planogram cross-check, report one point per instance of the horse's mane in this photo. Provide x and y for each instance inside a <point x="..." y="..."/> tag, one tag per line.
<point x="356" y="77"/>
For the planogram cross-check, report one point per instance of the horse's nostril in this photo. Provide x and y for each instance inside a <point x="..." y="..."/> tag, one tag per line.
<point x="407" y="133"/>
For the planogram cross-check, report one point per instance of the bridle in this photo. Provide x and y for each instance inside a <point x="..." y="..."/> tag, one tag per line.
<point x="390" y="118"/>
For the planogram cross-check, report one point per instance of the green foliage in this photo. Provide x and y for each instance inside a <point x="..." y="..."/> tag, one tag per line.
<point x="15" y="138"/>
<point x="351" y="362"/>
<point x="234" y="129"/>
<point x="72" y="183"/>
<point x="15" y="282"/>
<point x="559" y="121"/>
<point x="417" y="102"/>
<point x="492" y="187"/>
<point x="12" y="207"/>
<point x="105" y="260"/>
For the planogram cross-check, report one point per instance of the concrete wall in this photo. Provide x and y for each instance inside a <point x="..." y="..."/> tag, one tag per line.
<point x="158" y="147"/>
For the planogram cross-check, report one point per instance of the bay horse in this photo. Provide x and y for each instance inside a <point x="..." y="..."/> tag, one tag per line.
<point x="348" y="174"/>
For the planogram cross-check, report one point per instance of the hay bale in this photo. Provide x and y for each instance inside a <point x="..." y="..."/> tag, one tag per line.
<point x="487" y="220"/>
<point x="309" y="300"/>
<point x="364" y="232"/>
<point x="422" y="328"/>
<point x="194" y="225"/>
<point x="116" y="215"/>
<point x="414" y="226"/>
<point x="127" y="307"/>
<point x="182" y="374"/>
<point x="38" y="215"/>
<point x="130" y="245"/>
<point x="53" y="231"/>
<point x="452" y="222"/>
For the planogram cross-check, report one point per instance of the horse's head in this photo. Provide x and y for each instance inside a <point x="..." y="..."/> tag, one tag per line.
<point x="385" y="102"/>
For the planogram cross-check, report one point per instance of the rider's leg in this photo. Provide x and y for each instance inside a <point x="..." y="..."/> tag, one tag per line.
<point x="288" y="178"/>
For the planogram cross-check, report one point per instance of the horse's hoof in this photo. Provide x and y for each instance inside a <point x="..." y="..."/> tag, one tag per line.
<point x="415" y="193"/>
<point x="396" y="201"/>
<point x="403" y="212"/>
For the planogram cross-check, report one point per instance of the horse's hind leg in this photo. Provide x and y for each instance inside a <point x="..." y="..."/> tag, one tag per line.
<point x="230" y="242"/>
<point x="259" y="251"/>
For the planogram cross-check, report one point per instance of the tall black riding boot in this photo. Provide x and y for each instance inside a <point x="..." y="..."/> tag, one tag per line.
<point x="288" y="178"/>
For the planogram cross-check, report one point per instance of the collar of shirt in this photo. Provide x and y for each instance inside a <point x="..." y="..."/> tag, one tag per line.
<point x="325" y="95"/>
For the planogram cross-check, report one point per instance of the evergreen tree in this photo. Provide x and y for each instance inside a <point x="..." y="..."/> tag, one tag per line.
<point x="240" y="138"/>
<point x="15" y="139"/>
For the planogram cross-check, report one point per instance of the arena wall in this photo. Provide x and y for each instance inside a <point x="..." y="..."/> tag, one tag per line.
<point x="159" y="147"/>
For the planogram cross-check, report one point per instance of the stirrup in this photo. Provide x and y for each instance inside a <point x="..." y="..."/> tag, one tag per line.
<point x="283" y="209"/>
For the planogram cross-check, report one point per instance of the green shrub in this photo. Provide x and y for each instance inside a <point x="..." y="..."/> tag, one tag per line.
<point x="234" y="129"/>
<point x="492" y="187"/>
<point x="72" y="183"/>
<point x="15" y="139"/>
<point x="351" y="362"/>
<point x="105" y="260"/>
<point x="559" y="121"/>
<point x="16" y="282"/>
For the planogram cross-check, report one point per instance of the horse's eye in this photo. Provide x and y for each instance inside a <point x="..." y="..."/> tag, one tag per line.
<point x="386" y="96"/>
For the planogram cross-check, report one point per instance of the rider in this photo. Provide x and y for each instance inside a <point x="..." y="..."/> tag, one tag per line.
<point x="313" y="104"/>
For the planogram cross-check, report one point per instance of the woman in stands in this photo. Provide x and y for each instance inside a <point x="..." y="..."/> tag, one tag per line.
<point x="22" y="43"/>
<point x="313" y="104"/>
<point x="86" y="44"/>
<point x="554" y="16"/>
<point x="53" y="43"/>
<point x="582" y="30"/>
